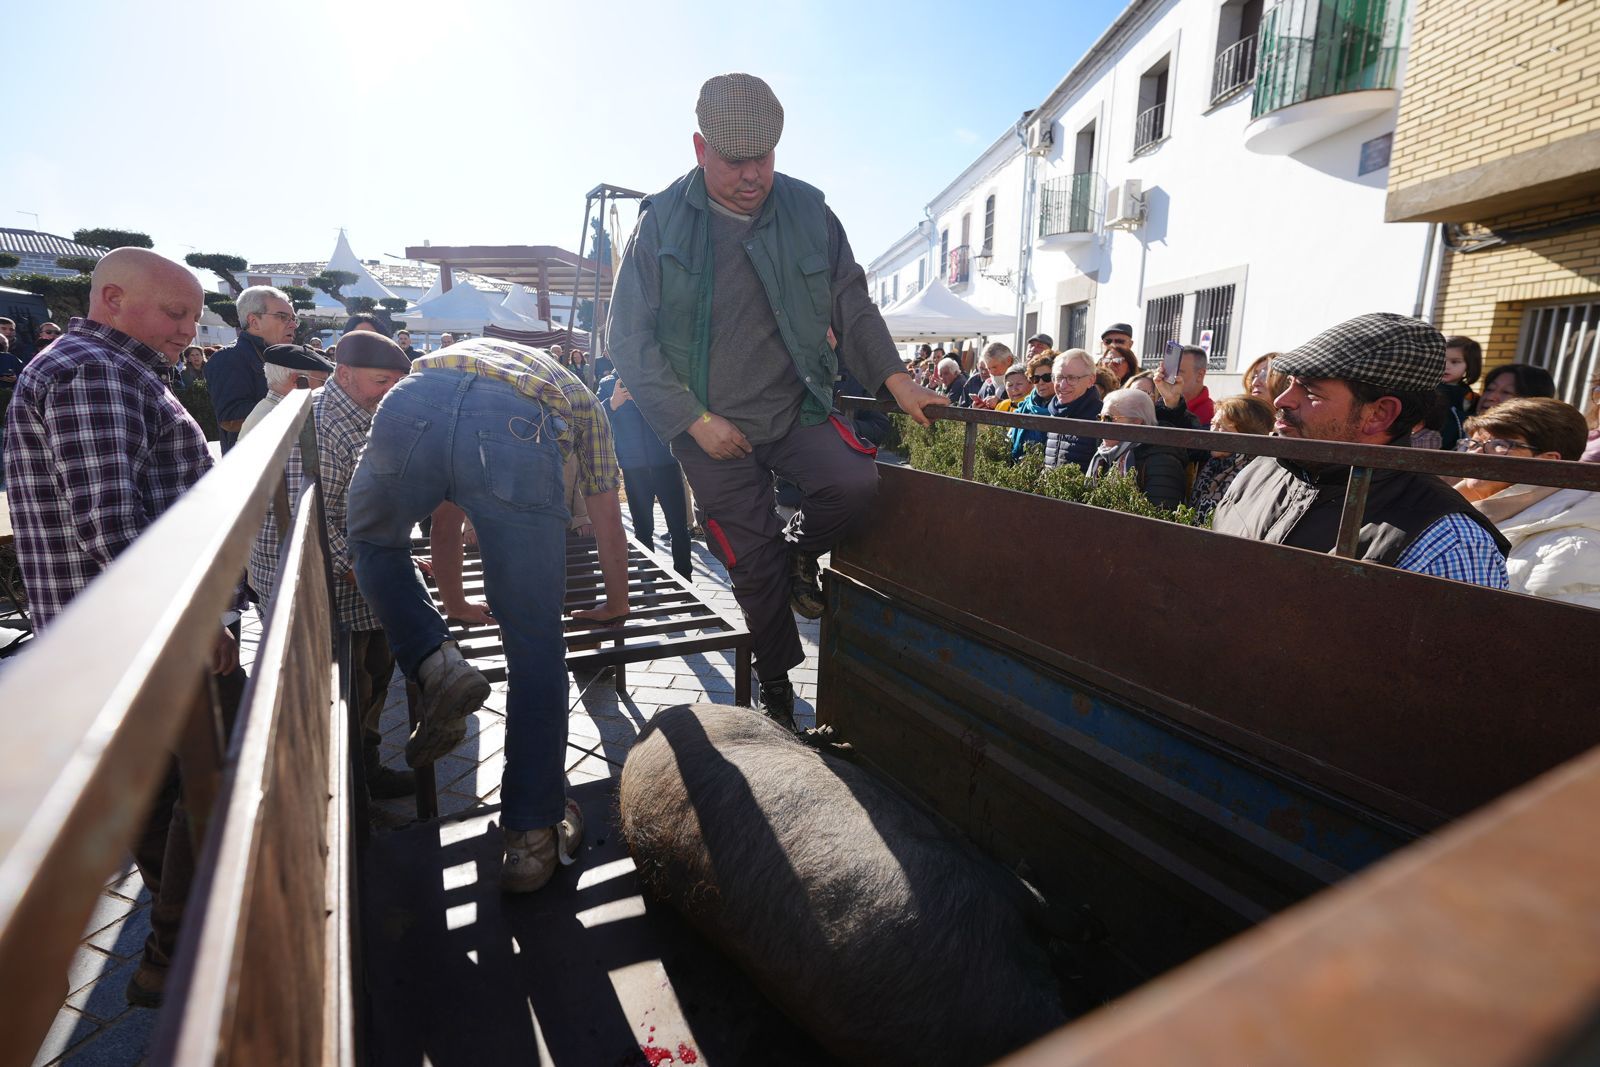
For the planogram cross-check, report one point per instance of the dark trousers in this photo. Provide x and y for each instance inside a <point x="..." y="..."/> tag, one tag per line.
<point x="645" y="486"/>
<point x="837" y="477"/>
<point x="164" y="851"/>
<point x="372" y="666"/>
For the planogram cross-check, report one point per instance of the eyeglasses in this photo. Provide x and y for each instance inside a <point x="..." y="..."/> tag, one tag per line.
<point x="1495" y="446"/>
<point x="1074" y="377"/>
<point x="1038" y="378"/>
<point x="283" y="316"/>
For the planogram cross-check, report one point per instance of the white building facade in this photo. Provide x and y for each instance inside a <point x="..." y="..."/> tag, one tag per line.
<point x="1209" y="172"/>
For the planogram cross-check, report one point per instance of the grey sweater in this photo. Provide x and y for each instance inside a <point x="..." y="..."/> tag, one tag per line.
<point x="753" y="382"/>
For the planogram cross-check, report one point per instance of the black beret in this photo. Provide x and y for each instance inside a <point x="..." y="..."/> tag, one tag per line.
<point x="297" y="357"/>
<point x="363" y="348"/>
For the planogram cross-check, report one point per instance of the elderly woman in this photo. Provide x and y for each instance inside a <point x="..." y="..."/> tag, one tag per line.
<point x="1159" y="468"/>
<point x="1554" y="533"/>
<point x="1510" y="380"/>
<point x="1016" y="384"/>
<point x="1072" y="374"/>
<point x="1234" y="414"/>
<point x="1035" y="403"/>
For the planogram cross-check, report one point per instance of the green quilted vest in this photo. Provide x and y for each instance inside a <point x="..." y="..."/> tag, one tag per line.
<point x="788" y="247"/>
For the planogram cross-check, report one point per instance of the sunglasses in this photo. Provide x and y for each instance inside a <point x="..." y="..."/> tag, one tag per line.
<point x="1115" y="418"/>
<point x="1037" y="378"/>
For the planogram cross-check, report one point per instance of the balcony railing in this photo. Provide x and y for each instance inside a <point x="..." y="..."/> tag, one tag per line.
<point x="1315" y="48"/>
<point x="960" y="266"/>
<point x="1066" y="205"/>
<point x="1150" y="128"/>
<point x="1235" y="69"/>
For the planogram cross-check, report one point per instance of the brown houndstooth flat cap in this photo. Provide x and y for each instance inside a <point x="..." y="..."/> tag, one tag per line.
<point x="740" y="118"/>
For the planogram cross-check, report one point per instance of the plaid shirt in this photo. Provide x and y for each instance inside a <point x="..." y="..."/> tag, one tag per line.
<point x="1459" y="549"/>
<point x="96" y="448"/>
<point x="587" y="434"/>
<point x="342" y="428"/>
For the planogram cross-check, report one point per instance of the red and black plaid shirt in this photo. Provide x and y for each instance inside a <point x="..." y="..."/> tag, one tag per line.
<point x="96" y="447"/>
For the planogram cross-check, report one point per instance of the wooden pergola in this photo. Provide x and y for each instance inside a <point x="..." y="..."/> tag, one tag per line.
<point x="545" y="268"/>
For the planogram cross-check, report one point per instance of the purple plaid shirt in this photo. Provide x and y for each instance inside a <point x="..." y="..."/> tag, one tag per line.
<point x="96" y="447"/>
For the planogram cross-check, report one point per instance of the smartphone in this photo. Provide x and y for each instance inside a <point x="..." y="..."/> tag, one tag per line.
<point x="1171" y="360"/>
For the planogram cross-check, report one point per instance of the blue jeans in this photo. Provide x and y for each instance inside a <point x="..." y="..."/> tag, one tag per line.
<point x="450" y="435"/>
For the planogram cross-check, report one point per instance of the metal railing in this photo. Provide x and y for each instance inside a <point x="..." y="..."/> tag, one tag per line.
<point x="1235" y="69"/>
<point x="95" y="709"/>
<point x="959" y="266"/>
<point x="1067" y="204"/>
<point x="1309" y="49"/>
<point x="1361" y="459"/>
<point x="1150" y="127"/>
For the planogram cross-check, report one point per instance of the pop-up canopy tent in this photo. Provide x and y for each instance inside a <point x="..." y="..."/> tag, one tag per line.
<point x="935" y="313"/>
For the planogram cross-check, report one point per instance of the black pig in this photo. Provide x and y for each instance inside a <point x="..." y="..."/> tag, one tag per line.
<point x="866" y="922"/>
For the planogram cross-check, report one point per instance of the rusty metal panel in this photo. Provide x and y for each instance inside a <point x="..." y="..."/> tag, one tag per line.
<point x="1479" y="947"/>
<point x="1346" y="675"/>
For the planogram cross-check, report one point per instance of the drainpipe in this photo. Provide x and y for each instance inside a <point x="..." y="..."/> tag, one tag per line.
<point x="1024" y="245"/>
<point x="1432" y="270"/>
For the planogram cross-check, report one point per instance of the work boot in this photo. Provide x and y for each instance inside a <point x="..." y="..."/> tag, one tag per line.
<point x="146" y="987"/>
<point x="533" y="855"/>
<point x="452" y="689"/>
<point x="386" y="783"/>
<point x="805" y="589"/>
<point x="777" y="702"/>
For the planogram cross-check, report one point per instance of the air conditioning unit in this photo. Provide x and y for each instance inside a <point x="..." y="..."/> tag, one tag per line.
<point x="1041" y="139"/>
<point x="1125" y="205"/>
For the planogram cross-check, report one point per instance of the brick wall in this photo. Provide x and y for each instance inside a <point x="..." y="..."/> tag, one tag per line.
<point x="1486" y="79"/>
<point x="1483" y="294"/>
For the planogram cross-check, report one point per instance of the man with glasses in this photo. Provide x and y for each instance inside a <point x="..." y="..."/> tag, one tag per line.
<point x="1366" y="381"/>
<point x="237" y="376"/>
<point x="1075" y="398"/>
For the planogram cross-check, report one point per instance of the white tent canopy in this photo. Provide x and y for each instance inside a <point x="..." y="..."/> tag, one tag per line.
<point x="521" y="303"/>
<point x="344" y="258"/>
<point x="935" y="313"/>
<point x="461" y="307"/>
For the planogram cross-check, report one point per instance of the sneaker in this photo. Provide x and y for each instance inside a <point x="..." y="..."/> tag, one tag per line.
<point x="777" y="702"/>
<point x="146" y="987"/>
<point x="805" y="590"/>
<point x="452" y="689"/>
<point x="533" y="855"/>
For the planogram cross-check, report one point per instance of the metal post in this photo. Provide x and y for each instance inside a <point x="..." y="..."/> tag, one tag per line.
<point x="572" y="304"/>
<point x="969" y="450"/>
<point x="1355" y="510"/>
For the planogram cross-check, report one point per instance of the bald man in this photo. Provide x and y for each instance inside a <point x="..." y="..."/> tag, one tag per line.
<point x="96" y="447"/>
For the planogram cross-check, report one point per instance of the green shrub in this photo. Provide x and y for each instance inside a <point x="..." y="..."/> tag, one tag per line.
<point x="938" y="448"/>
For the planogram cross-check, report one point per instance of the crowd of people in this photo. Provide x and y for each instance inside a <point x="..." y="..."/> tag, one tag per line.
<point x="737" y="308"/>
<point x="1389" y="380"/>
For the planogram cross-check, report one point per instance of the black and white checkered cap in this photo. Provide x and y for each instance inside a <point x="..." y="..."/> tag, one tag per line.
<point x="1383" y="349"/>
<point x="740" y="117"/>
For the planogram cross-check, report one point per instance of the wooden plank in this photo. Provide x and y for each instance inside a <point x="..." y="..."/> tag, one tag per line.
<point x="256" y="920"/>
<point x="1477" y="947"/>
<point x="72" y="781"/>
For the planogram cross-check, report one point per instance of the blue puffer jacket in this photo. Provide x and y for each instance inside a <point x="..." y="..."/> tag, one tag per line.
<point x="637" y="444"/>
<point x="1062" y="448"/>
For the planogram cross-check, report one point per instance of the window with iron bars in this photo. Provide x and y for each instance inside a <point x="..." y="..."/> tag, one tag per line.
<point x="1564" y="339"/>
<point x="1213" y="310"/>
<point x="1163" y="317"/>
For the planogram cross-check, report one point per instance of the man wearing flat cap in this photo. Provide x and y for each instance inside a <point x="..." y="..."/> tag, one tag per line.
<point x="1367" y="381"/>
<point x="369" y="365"/>
<point x="734" y="287"/>
<point x="288" y="367"/>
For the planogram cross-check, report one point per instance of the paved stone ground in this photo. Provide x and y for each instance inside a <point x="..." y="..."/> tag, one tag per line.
<point x="96" y="1026"/>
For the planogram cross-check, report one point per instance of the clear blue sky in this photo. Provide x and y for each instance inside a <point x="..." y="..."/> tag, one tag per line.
<point x="259" y="129"/>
